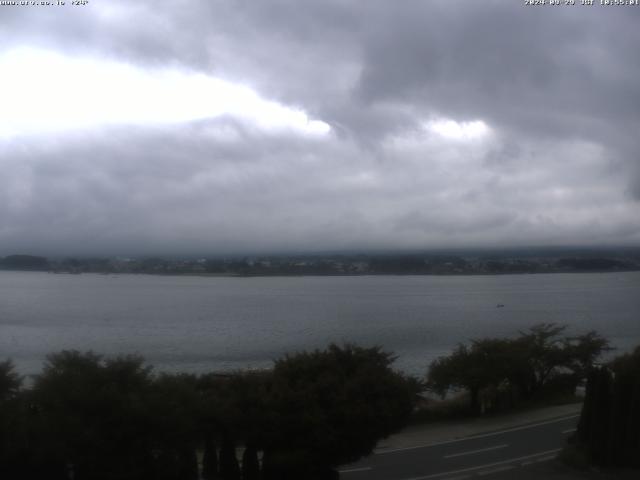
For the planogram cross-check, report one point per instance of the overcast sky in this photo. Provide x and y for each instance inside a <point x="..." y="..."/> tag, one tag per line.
<point x="206" y="126"/>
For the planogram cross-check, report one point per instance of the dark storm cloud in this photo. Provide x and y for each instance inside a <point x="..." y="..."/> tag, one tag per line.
<point x="202" y="186"/>
<point x="556" y="86"/>
<point x="568" y="72"/>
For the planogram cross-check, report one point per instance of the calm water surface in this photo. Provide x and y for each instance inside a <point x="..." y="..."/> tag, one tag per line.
<point x="225" y="323"/>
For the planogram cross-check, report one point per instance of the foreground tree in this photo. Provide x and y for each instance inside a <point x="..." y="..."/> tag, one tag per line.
<point x="331" y="407"/>
<point x="485" y="363"/>
<point x="549" y="360"/>
<point x="93" y="418"/>
<point x="538" y="360"/>
<point x="175" y="405"/>
<point x="609" y="428"/>
<point x="90" y="416"/>
<point x="250" y="463"/>
<point x="13" y="440"/>
<point x="209" y="458"/>
<point x="10" y="381"/>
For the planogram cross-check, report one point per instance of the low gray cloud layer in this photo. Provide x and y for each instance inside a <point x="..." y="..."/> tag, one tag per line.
<point x="552" y="158"/>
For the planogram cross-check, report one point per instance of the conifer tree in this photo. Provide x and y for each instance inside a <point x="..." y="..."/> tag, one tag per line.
<point x="632" y="440"/>
<point x="188" y="464"/>
<point x="229" y="468"/>
<point x="600" y="419"/>
<point x="209" y="459"/>
<point x="585" y="426"/>
<point x="250" y="464"/>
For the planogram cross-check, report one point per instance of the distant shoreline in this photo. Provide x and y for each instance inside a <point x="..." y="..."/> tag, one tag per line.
<point x="496" y="263"/>
<point x="280" y="275"/>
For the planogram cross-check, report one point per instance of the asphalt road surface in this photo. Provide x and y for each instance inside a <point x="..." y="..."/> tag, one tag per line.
<point x="479" y="456"/>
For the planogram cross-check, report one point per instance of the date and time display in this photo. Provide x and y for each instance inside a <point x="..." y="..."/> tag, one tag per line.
<point x="587" y="3"/>
<point x="43" y="3"/>
<point x="63" y="3"/>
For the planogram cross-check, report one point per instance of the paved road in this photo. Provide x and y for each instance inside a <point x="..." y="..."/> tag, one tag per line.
<point x="479" y="456"/>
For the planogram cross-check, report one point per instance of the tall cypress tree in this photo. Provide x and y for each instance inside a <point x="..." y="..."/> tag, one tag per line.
<point x="188" y="464"/>
<point x="616" y="425"/>
<point x="209" y="459"/>
<point x="601" y="418"/>
<point x="269" y="472"/>
<point x="229" y="468"/>
<point x="250" y="464"/>
<point x="609" y="427"/>
<point x="586" y="415"/>
<point x="633" y="433"/>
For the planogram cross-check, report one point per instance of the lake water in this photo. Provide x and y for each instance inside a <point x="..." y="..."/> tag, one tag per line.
<point x="226" y="323"/>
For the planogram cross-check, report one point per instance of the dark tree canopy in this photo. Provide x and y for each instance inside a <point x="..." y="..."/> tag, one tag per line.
<point x="608" y="433"/>
<point x="484" y="363"/>
<point x="103" y="418"/>
<point x="96" y="410"/>
<point x="10" y="381"/>
<point x="538" y="359"/>
<point x="332" y="406"/>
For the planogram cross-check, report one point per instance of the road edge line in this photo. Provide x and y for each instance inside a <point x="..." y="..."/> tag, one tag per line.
<point x="480" y="435"/>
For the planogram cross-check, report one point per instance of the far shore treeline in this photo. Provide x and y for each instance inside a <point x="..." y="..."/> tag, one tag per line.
<point x="431" y="263"/>
<point x="86" y="416"/>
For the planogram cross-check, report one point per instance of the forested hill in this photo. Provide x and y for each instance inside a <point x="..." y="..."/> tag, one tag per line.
<point x="24" y="262"/>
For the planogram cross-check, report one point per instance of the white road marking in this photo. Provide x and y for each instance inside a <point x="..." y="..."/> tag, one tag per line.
<point x="488" y="465"/>
<point x="544" y="459"/>
<point x="570" y="430"/>
<point x="461" y="477"/>
<point x="352" y="470"/>
<point x="471" y="452"/>
<point x="496" y="470"/>
<point x="482" y="435"/>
